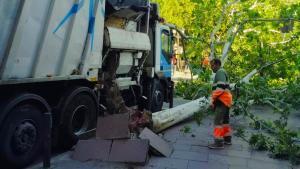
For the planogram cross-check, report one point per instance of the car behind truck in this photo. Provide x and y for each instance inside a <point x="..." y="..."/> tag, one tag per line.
<point x="72" y="59"/>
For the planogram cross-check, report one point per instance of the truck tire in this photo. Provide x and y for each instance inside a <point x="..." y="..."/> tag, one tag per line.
<point x="21" y="136"/>
<point x="79" y="117"/>
<point x="157" y="96"/>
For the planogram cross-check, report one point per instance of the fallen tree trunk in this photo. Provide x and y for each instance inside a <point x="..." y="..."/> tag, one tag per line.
<point x="167" y="118"/>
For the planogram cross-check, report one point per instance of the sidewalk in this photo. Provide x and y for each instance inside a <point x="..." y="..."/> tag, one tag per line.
<point x="190" y="152"/>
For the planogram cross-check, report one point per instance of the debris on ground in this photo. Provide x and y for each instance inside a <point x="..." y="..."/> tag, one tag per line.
<point x="113" y="127"/>
<point x="113" y="142"/>
<point x="94" y="149"/>
<point x="129" y="151"/>
<point x="157" y="142"/>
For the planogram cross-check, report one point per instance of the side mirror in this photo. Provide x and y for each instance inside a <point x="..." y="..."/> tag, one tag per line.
<point x="166" y="32"/>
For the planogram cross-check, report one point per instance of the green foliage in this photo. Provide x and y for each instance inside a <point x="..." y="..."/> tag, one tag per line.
<point x="292" y="93"/>
<point x="199" y="116"/>
<point x="260" y="91"/>
<point x="284" y="146"/>
<point x="255" y="42"/>
<point x="186" y="129"/>
<point x="204" y="73"/>
<point x="192" y="89"/>
<point x="177" y="12"/>
<point x="273" y="136"/>
<point x="259" y="142"/>
<point x="240" y="132"/>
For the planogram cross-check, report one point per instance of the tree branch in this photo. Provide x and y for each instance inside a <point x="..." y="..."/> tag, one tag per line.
<point x="217" y="28"/>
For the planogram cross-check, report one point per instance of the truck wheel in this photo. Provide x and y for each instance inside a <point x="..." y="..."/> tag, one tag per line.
<point x="79" y="117"/>
<point x="21" y="135"/>
<point x="157" y="96"/>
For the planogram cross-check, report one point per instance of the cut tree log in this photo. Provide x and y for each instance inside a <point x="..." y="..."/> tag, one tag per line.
<point x="167" y="118"/>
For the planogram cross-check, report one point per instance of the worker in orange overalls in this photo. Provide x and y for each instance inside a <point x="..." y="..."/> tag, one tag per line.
<point x="221" y="101"/>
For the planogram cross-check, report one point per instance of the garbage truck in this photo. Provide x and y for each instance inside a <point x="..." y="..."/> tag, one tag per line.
<point x="75" y="60"/>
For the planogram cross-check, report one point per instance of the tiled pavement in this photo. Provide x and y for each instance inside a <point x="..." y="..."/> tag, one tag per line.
<point x="190" y="152"/>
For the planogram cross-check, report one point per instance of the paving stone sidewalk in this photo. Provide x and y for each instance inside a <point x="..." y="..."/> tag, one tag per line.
<point x="190" y="152"/>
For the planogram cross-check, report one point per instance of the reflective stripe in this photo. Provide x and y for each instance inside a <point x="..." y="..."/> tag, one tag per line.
<point x="227" y="131"/>
<point x="220" y="82"/>
<point x="220" y="85"/>
<point x="218" y="132"/>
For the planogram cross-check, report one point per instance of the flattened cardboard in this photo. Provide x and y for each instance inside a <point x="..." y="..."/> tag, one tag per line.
<point x="129" y="151"/>
<point x="157" y="142"/>
<point x="95" y="149"/>
<point x="113" y="127"/>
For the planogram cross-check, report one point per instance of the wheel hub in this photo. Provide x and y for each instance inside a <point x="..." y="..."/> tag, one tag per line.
<point x="80" y="119"/>
<point x="25" y="137"/>
<point x="158" y="97"/>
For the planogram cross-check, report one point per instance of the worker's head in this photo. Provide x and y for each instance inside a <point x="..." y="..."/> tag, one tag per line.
<point x="215" y="65"/>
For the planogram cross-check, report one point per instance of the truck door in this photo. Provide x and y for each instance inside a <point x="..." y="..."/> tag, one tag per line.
<point x="164" y="51"/>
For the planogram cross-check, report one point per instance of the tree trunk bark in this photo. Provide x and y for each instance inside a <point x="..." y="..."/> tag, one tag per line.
<point x="167" y="118"/>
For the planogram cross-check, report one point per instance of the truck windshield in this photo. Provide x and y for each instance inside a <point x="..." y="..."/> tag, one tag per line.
<point x="8" y="12"/>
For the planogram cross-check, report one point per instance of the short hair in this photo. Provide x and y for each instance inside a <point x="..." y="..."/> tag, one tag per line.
<point x="216" y="61"/>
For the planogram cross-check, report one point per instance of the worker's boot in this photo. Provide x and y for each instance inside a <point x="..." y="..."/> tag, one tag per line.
<point x="227" y="140"/>
<point x="218" y="144"/>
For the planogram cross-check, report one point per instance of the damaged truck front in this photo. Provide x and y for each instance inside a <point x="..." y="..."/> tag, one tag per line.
<point x="74" y="60"/>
